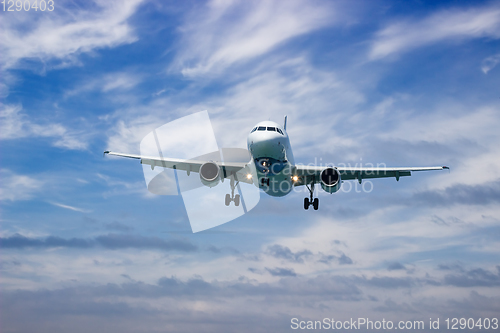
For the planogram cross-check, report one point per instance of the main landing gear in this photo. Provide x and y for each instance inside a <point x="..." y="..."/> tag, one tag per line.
<point x="232" y="197"/>
<point x="308" y="202"/>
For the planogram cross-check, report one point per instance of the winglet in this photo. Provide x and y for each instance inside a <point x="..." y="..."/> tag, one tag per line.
<point x="284" y="124"/>
<point x="105" y="152"/>
<point x="445" y="167"/>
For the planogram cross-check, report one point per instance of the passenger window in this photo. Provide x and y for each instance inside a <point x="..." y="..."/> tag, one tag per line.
<point x="271" y="129"/>
<point x="254" y="130"/>
<point x="261" y="128"/>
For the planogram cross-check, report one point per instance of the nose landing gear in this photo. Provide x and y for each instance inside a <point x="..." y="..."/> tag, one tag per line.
<point x="310" y="201"/>
<point x="232" y="197"/>
<point x="264" y="181"/>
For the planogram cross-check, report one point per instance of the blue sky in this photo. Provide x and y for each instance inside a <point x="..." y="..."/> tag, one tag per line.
<point x="85" y="247"/>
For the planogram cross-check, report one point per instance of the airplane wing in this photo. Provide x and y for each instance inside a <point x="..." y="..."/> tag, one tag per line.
<point x="308" y="174"/>
<point x="240" y="170"/>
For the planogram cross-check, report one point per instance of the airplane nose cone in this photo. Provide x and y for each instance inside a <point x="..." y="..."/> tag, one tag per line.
<point x="271" y="148"/>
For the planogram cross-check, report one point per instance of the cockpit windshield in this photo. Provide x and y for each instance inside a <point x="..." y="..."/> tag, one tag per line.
<point x="267" y="128"/>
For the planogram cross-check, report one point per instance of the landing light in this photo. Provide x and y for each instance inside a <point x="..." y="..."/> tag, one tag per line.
<point x="295" y="178"/>
<point x="249" y="176"/>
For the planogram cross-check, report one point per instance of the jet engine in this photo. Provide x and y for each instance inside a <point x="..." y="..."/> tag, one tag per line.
<point x="210" y="174"/>
<point x="330" y="180"/>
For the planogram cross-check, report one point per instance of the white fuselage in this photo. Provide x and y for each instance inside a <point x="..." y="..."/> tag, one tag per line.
<point x="271" y="153"/>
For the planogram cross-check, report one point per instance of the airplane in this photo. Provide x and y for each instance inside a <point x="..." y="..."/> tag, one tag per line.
<point x="272" y="167"/>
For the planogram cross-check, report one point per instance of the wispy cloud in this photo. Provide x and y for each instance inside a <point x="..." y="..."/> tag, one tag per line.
<point x="127" y="135"/>
<point x="456" y="24"/>
<point x="62" y="36"/>
<point x="222" y="33"/>
<point x="75" y="209"/>
<point x="489" y="63"/>
<point x="462" y="194"/>
<point x="119" y="187"/>
<point x="111" y="82"/>
<point x="109" y="241"/>
<point x="15" y="124"/>
<point x="473" y="129"/>
<point x="18" y="187"/>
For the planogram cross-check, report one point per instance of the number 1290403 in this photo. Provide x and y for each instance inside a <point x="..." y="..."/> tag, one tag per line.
<point x="28" y="5"/>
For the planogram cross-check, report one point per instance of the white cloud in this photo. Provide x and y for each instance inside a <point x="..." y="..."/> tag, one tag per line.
<point x="225" y="32"/>
<point x="304" y="94"/>
<point x="490" y="63"/>
<point x="111" y="82"/>
<point x="75" y="209"/>
<point x="15" y="125"/>
<point x="126" y="137"/>
<point x="4" y="90"/>
<point x="449" y="124"/>
<point x="17" y="187"/>
<point x="119" y="187"/>
<point x="474" y="133"/>
<point x="277" y="88"/>
<point x="64" y="33"/>
<point x="122" y="81"/>
<point x="444" y="25"/>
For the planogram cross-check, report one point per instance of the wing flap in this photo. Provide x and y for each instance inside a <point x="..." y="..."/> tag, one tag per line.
<point x="367" y="174"/>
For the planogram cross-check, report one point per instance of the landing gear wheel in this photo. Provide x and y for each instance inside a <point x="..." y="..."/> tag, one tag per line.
<point x="267" y="182"/>
<point x="316" y="203"/>
<point x="311" y="201"/>
<point x="232" y="197"/>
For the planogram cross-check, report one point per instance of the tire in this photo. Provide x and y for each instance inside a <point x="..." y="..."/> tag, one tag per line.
<point x="228" y="199"/>
<point x="237" y="200"/>
<point x="316" y="204"/>
<point x="306" y="203"/>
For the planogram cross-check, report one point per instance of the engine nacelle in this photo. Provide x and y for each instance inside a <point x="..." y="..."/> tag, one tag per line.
<point x="210" y="174"/>
<point x="330" y="180"/>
